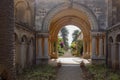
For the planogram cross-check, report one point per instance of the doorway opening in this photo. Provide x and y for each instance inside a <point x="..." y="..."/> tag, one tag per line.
<point x="70" y="41"/>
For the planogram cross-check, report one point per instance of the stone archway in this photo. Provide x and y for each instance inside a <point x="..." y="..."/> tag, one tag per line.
<point x="78" y="15"/>
<point x="63" y="15"/>
<point x="91" y="16"/>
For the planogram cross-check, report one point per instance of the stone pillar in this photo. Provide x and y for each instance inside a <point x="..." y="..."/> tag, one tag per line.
<point x="31" y="54"/>
<point x="7" y="48"/>
<point x="88" y="47"/>
<point x="39" y="56"/>
<point x="23" y="54"/>
<point x="43" y="48"/>
<point x="94" y="47"/>
<point x="109" y="55"/>
<point x="113" y="54"/>
<point x="119" y="54"/>
<point x="101" y="47"/>
<point x="46" y="45"/>
<point x="84" y="50"/>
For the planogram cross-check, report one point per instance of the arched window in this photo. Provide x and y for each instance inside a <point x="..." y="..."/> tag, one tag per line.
<point x="24" y="39"/>
<point x="110" y="40"/>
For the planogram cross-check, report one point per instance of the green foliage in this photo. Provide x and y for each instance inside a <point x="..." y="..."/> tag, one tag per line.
<point x="60" y="49"/>
<point x="64" y="34"/>
<point x="77" y="48"/>
<point x="45" y="72"/>
<point x="75" y="35"/>
<point x="101" y="72"/>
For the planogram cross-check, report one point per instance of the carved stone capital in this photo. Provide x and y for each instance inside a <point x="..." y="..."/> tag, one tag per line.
<point x="98" y="34"/>
<point x="43" y="35"/>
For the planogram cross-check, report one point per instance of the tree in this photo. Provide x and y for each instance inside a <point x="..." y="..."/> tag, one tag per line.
<point x="75" y="35"/>
<point x="64" y="35"/>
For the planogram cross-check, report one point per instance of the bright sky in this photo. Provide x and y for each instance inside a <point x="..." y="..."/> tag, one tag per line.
<point x="71" y="29"/>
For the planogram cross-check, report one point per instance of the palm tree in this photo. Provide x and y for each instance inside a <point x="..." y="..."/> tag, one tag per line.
<point x="64" y="35"/>
<point x="75" y="35"/>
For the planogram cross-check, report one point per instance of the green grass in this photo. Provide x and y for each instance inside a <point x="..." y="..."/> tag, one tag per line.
<point x="101" y="72"/>
<point x="46" y="72"/>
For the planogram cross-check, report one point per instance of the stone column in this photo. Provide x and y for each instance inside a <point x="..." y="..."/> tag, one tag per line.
<point x="119" y="54"/>
<point x="23" y="54"/>
<point x="109" y="55"/>
<point x="101" y="47"/>
<point x="39" y="56"/>
<point x="46" y="45"/>
<point x="94" y="47"/>
<point x="84" y="48"/>
<point x="88" y="47"/>
<point x="30" y="54"/>
<point x="43" y="48"/>
<point x="113" y="54"/>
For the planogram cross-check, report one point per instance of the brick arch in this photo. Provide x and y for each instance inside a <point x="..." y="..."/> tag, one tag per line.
<point x="91" y="16"/>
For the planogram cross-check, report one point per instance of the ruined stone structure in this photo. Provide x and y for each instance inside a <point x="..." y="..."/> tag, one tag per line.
<point x="113" y="35"/>
<point x="29" y="29"/>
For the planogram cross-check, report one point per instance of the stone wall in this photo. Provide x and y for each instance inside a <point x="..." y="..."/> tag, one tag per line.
<point x="113" y="12"/>
<point x="113" y="32"/>
<point x="24" y="12"/>
<point x="98" y="7"/>
<point x="7" y="63"/>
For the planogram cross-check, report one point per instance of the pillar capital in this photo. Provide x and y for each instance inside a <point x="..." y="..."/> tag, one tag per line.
<point x="45" y="35"/>
<point x="98" y="34"/>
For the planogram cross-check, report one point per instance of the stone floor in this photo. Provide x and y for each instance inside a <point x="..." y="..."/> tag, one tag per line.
<point x="69" y="72"/>
<point x="70" y="69"/>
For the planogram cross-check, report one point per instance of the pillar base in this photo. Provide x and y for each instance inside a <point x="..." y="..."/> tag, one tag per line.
<point x="94" y="57"/>
<point x="98" y="61"/>
<point x="42" y="61"/>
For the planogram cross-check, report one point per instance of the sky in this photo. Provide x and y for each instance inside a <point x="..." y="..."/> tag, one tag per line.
<point x="71" y="29"/>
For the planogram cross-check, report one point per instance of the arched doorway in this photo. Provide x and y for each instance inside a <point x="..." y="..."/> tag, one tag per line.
<point x="73" y="14"/>
<point x="70" y="41"/>
<point x="70" y="16"/>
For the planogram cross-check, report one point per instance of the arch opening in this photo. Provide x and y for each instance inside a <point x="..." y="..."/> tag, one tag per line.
<point x="70" y="17"/>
